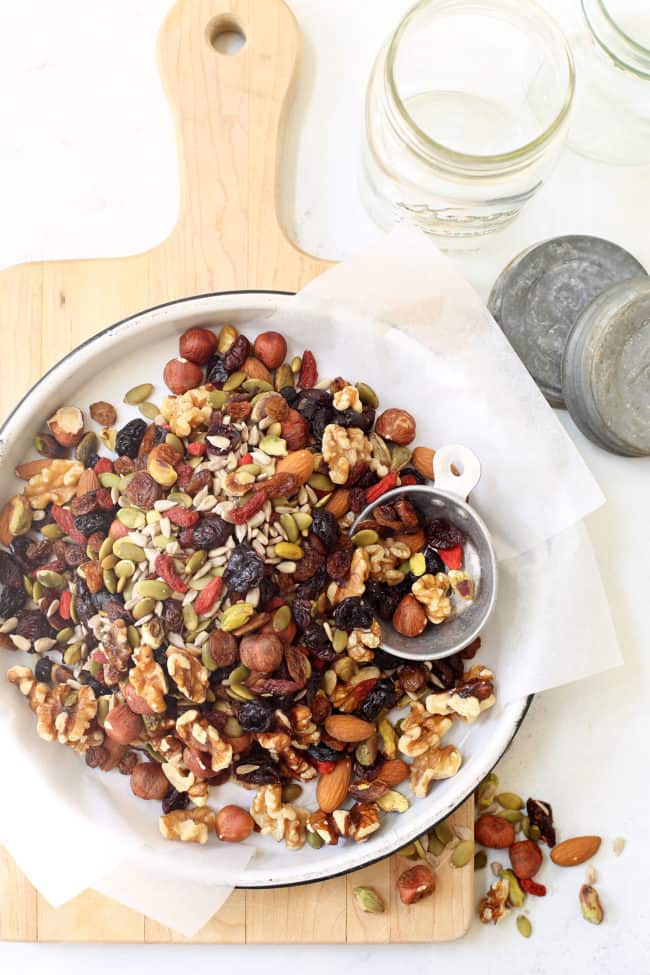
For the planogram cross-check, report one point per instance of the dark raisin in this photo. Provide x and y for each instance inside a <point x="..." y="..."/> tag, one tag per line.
<point x="446" y="673"/>
<point x="143" y="491"/>
<point x="350" y="418"/>
<point x="211" y="532"/>
<point x="216" y="371"/>
<point x="385" y="599"/>
<point x="255" y="716"/>
<point x="339" y="562"/>
<point x="74" y="555"/>
<point x="322" y="417"/>
<point x="19" y="547"/>
<point x="433" y="561"/>
<point x="290" y="395"/>
<point x="103" y="599"/>
<point x="323" y="753"/>
<point x="10" y="574"/>
<point x="96" y="756"/>
<point x="43" y="670"/>
<point x="382" y="697"/>
<point x="541" y="815"/>
<point x="411" y="472"/>
<point x="315" y="637"/>
<point x="38" y="553"/>
<point x="160" y="656"/>
<point x="33" y="625"/>
<point x="367" y="773"/>
<point x="236" y="356"/>
<point x="172" y="616"/>
<point x="442" y="534"/>
<point x="353" y="614"/>
<point x="129" y="438"/>
<point x="98" y="688"/>
<point x="84" y="605"/>
<point x="268" y="590"/>
<point x="175" y="800"/>
<point x="325" y="526"/>
<point x="314" y="586"/>
<point x="357" y="500"/>
<point x="313" y="559"/>
<point x="84" y="504"/>
<point x="385" y="660"/>
<point x="229" y="432"/>
<point x="245" y="569"/>
<point x="159" y="436"/>
<point x="263" y="774"/>
<point x="95" y="521"/>
<point x="11" y="601"/>
<point x="365" y="479"/>
<point x="301" y="610"/>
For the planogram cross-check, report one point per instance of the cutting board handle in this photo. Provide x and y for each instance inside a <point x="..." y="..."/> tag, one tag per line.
<point x="229" y="110"/>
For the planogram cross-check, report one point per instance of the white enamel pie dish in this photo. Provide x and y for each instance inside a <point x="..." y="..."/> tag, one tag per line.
<point x="135" y="351"/>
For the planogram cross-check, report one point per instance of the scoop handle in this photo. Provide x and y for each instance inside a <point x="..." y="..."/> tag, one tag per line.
<point x="465" y="461"/>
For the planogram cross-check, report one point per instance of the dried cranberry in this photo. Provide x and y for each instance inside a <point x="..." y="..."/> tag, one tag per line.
<point x="382" y="697"/>
<point x="172" y="616"/>
<point x="129" y="438"/>
<point x="43" y="670"/>
<point x="442" y="534"/>
<point x="211" y="532"/>
<point x="10" y="574"/>
<point x="216" y="371"/>
<point x="352" y="614"/>
<point x="175" y="800"/>
<point x="245" y="569"/>
<point x="325" y="526"/>
<point x="301" y="610"/>
<point x="95" y="521"/>
<point x="236" y="356"/>
<point x="433" y="561"/>
<point x="32" y="625"/>
<point x="255" y="716"/>
<point x="11" y="601"/>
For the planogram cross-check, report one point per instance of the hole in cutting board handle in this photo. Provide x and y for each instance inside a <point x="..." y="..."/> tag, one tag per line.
<point x="225" y="35"/>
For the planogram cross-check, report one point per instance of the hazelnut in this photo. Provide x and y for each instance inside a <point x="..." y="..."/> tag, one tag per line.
<point x="409" y="618"/>
<point x="255" y="369"/>
<point x="233" y="824"/>
<point x="415" y="884"/>
<point x="160" y="465"/>
<point x="122" y="724"/>
<point x="180" y="375"/>
<point x="397" y="426"/>
<point x="197" y="345"/>
<point x="271" y="348"/>
<point x="67" y="426"/>
<point x="198" y="763"/>
<point x="261" y="652"/>
<point x="148" y="781"/>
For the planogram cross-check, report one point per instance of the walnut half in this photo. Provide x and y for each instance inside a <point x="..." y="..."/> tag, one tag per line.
<point x="188" y="825"/>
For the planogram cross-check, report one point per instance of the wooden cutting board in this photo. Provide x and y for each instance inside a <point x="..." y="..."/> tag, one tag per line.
<point x="229" y="113"/>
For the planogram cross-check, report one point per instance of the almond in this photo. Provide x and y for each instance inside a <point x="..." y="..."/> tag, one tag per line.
<point x="332" y="788"/>
<point x="300" y="463"/>
<point x="88" y="482"/>
<point x="255" y="369"/>
<point x="394" y="772"/>
<point x="345" y="727"/>
<point x="409" y="618"/>
<point x="338" y="503"/>
<point x="27" y="470"/>
<point x="416" y="541"/>
<point x="422" y="460"/>
<point x="572" y="852"/>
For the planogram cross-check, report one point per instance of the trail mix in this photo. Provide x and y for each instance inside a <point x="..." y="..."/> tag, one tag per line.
<point x="199" y="612"/>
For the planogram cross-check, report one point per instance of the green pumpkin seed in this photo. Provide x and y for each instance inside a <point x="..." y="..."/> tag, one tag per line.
<point x="510" y="800"/>
<point x="200" y="584"/>
<point x="86" y="447"/>
<point x="302" y="519"/>
<point x="105" y="549"/>
<point x="417" y="564"/>
<point x="512" y="815"/>
<point x="196" y="562"/>
<point x="399" y="458"/>
<point x="365" y="537"/>
<point x="291" y="792"/>
<point x="281" y="619"/>
<point x="516" y="895"/>
<point x="408" y="851"/>
<point x="443" y="833"/>
<point x="320" y="482"/>
<point x="253" y="469"/>
<point x="239" y="674"/>
<point x="524" y="927"/>
<point x="462" y="854"/>
<point x="340" y="640"/>
<point x="124" y="569"/>
<point x="419" y="849"/>
<point x="103" y="707"/>
<point x="380" y="449"/>
<point x="153" y="589"/>
<point x="121" y="583"/>
<point x="109" y="480"/>
<point x="296" y="364"/>
<point x="256" y="386"/>
<point x="236" y="615"/>
<point x="206" y="658"/>
<point x="180" y="497"/>
<point x="50" y="580"/>
<point x="240" y="693"/>
<point x="132" y="517"/>
<point x="368" y="900"/>
<point x="314" y="840"/>
<point x="367" y="395"/>
<point x="133" y="635"/>
<point x="52" y="531"/>
<point x="29" y="587"/>
<point x="534" y="832"/>
<point x="216" y="398"/>
<point x="110" y="580"/>
<point x="283" y="377"/>
<point x="128" y="550"/>
<point x="323" y="501"/>
<point x="143" y="607"/>
<point x="138" y="394"/>
<point x="72" y="654"/>
<point x="525" y="826"/>
<point x="74" y="616"/>
<point x="480" y="860"/>
<point x="175" y="443"/>
<point x="393" y="801"/>
<point x="290" y="526"/>
<point x="64" y="635"/>
<point x="190" y="619"/>
<point x="274" y="430"/>
<point x="149" y="410"/>
<point x="162" y="541"/>
<point x="233" y="381"/>
<point x="274" y="446"/>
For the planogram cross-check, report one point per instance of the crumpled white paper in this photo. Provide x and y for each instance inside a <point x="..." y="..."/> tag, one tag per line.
<point x="69" y="828"/>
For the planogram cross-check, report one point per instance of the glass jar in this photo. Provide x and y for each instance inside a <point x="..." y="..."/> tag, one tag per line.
<point x="466" y="114"/>
<point x="611" y="121"/>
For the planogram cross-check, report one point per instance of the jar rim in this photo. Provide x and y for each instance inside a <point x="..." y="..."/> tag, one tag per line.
<point x="614" y="40"/>
<point x="430" y="146"/>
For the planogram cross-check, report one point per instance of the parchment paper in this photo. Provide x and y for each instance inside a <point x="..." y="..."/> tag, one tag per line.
<point x="69" y="828"/>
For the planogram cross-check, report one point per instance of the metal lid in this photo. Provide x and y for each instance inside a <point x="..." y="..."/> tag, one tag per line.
<point x="539" y="296"/>
<point x="606" y="369"/>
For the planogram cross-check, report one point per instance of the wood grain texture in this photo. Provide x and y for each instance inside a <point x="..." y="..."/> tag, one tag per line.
<point x="229" y="114"/>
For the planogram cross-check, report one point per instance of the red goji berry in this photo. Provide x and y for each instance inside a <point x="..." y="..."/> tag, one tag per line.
<point x="197" y="449"/>
<point x="532" y="887"/>
<point x="167" y="570"/>
<point x="103" y="466"/>
<point x="308" y="375"/>
<point x="117" y="529"/>
<point x="65" y="601"/>
<point x="256" y="501"/>
<point x="386" y="484"/>
<point x="246" y="459"/>
<point x="363" y="688"/>
<point x="452" y="557"/>
<point x="184" y="474"/>
<point x="208" y="596"/>
<point x="183" y="517"/>
<point x="65" y="520"/>
<point x="104" y="499"/>
<point x="325" y="767"/>
<point x="407" y="479"/>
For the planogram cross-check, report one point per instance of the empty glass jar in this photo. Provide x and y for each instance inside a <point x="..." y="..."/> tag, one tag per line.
<point x="466" y="113"/>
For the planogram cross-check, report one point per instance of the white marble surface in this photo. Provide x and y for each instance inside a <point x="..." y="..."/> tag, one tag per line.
<point x="87" y="168"/>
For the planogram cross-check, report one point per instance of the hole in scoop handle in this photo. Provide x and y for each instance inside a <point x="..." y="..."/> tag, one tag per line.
<point x="466" y="462"/>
